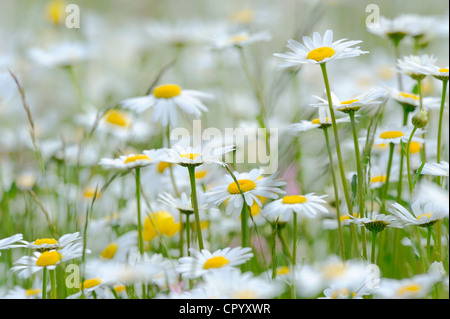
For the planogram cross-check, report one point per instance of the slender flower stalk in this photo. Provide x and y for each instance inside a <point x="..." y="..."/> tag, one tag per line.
<point x="388" y="173"/>
<point x="191" y="169"/>
<point x="44" y="283"/>
<point x="336" y="195"/>
<point x="441" y="115"/>
<point x="294" y="254"/>
<point x="336" y="138"/>
<point x="53" y="283"/>
<point x="360" y="176"/>
<point x="408" y="166"/>
<point x="138" y="203"/>
<point x="374" y="238"/>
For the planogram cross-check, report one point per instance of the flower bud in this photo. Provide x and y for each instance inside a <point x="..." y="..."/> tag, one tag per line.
<point x="420" y="119"/>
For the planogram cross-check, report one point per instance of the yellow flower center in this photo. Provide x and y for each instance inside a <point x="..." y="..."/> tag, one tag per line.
<point x="391" y="134"/>
<point x="90" y="191"/>
<point x="91" y="283"/>
<point x="443" y="70"/>
<point x="55" y="11"/>
<point x="317" y="121"/>
<point x="334" y="271"/>
<point x="48" y="258"/>
<point x="160" y="222"/>
<point x="238" y="38"/>
<point x="409" y="289"/>
<point x="243" y="16"/>
<point x="245" y="184"/>
<point x="162" y="166"/>
<point x="47" y="241"/>
<point x="283" y="270"/>
<point x="425" y="215"/>
<point x="415" y="147"/>
<point x="378" y="179"/>
<point x="245" y="294"/>
<point x="320" y="53"/>
<point x="191" y="156"/>
<point x="117" y="118"/>
<point x="200" y="174"/>
<point x="343" y="292"/>
<point x="109" y="251"/>
<point x="215" y="262"/>
<point x="349" y="102"/>
<point x="32" y="292"/>
<point x="134" y="158"/>
<point x="119" y="288"/>
<point x="166" y="91"/>
<point x="409" y="95"/>
<point x="294" y="199"/>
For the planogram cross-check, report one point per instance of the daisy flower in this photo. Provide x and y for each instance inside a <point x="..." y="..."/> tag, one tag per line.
<point x="322" y="121"/>
<point x="5" y="243"/>
<point x="411" y="101"/>
<point x="416" y="287"/>
<point x="93" y="287"/>
<point x="308" y="204"/>
<point x="417" y="67"/>
<point x="395" y="29"/>
<point x="425" y="217"/>
<point x="194" y="156"/>
<point x="436" y="169"/>
<point x="342" y="292"/>
<point x="318" y="50"/>
<point x="232" y="284"/>
<point x="377" y="222"/>
<point x="203" y="262"/>
<point x="253" y="185"/>
<point x="238" y="39"/>
<point x="369" y="99"/>
<point x="28" y="265"/>
<point x="119" y="248"/>
<point x="43" y="244"/>
<point x="438" y="73"/>
<point x="22" y="293"/>
<point x="125" y="162"/>
<point x="165" y="100"/>
<point x="61" y="54"/>
<point x="395" y="134"/>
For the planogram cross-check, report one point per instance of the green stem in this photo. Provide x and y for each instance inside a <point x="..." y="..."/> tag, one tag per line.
<point x="388" y="173"/>
<point x="402" y="157"/>
<point x="188" y="234"/>
<point x="44" y="283"/>
<point x="285" y="245"/>
<point x="138" y="201"/>
<point x="294" y="255"/>
<point x="360" y="175"/>
<point x="336" y="194"/>
<point x="274" y="249"/>
<point x="374" y="237"/>
<point x="53" y="283"/>
<point x="191" y="169"/>
<point x="408" y="167"/>
<point x="397" y="56"/>
<point x="441" y="115"/>
<point x="244" y="225"/>
<point x="336" y="138"/>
